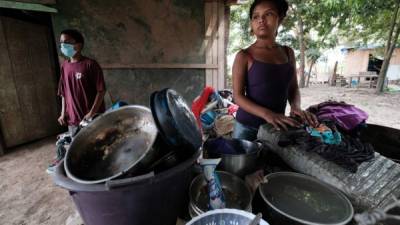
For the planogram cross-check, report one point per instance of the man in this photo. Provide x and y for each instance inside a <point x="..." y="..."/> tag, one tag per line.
<point x="81" y="86"/>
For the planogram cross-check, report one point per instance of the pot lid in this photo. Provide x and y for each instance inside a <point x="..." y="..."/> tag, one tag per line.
<point x="175" y="120"/>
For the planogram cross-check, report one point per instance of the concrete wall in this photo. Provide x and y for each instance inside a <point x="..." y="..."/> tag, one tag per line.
<point x="128" y="33"/>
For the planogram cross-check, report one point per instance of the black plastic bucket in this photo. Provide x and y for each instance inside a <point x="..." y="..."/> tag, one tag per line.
<point x="149" y="199"/>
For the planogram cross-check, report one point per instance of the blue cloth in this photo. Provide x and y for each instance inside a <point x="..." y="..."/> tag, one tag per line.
<point x="117" y="105"/>
<point x="207" y="119"/>
<point x="327" y="136"/>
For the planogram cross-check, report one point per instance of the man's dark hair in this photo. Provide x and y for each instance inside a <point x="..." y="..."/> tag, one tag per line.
<point x="281" y="5"/>
<point x="74" y="34"/>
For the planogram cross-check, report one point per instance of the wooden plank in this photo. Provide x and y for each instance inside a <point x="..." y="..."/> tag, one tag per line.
<point x="34" y="82"/>
<point x="214" y="47"/>
<point x="2" y="144"/>
<point x="159" y="66"/>
<point x="11" y="123"/>
<point x="22" y="53"/>
<point x="210" y="22"/>
<point x="45" y="82"/>
<point x="221" y="46"/>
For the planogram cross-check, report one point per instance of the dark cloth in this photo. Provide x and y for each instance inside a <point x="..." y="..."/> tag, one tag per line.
<point x="349" y="154"/>
<point x="346" y="116"/>
<point x="220" y="145"/>
<point x="267" y="85"/>
<point x="79" y="84"/>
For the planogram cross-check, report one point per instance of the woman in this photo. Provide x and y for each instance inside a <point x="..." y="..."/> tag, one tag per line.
<point x="264" y="76"/>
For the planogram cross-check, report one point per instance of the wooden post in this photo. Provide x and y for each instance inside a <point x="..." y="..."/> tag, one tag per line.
<point x="333" y="79"/>
<point x="2" y="145"/>
<point x="215" y="43"/>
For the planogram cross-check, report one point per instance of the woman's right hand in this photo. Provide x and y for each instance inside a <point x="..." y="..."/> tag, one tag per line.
<point x="280" y="121"/>
<point x="61" y="120"/>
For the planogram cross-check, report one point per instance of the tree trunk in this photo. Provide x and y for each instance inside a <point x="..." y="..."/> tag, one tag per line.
<point x="390" y="46"/>
<point x="333" y="77"/>
<point x="302" y="52"/>
<point x="309" y="73"/>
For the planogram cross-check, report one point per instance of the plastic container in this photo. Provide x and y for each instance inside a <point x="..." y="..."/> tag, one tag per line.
<point x="149" y="199"/>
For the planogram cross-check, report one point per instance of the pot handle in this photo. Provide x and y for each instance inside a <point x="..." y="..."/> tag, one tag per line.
<point x="112" y="184"/>
<point x="61" y="180"/>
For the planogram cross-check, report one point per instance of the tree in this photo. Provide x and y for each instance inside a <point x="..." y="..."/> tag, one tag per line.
<point x="370" y="20"/>
<point x="313" y="22"/>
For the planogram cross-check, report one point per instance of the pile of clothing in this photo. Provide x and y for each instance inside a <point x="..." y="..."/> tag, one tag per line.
<point x="215" y="112"/>
<point x="336" y="139"/>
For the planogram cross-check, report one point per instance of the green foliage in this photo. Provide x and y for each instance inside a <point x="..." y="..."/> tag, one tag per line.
<point x="369" y="22"/>
<point x="239" y="35"/>
<point x="320" y="18"/>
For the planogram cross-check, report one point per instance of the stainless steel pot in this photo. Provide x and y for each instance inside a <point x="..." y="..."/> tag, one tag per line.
<point x="115" y="143"/>
<point x="243" y="163"/>
<point x="237" y="193"/>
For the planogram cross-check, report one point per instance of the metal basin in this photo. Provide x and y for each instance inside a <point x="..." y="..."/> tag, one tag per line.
<point x="225" y="216"/>
<point x="237" y="194"/>
<point x="292" y="198"/>
<point x="243" y="163"/>
<point x="116" y="143"/>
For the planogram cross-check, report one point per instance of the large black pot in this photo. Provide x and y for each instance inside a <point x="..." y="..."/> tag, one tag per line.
<point x="114" y="144"/>
<point x="149" y="199"/>
<point x="175" y="120"/>
<point x="296" y="199"/>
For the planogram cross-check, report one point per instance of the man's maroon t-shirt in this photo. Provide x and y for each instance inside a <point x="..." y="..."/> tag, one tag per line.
<point x="79" y="84"/>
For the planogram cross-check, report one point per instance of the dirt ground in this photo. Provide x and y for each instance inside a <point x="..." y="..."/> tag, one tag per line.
<point x="29" y="197"/>
<point x="382" y="109"/>
<point x="27" y="194"/>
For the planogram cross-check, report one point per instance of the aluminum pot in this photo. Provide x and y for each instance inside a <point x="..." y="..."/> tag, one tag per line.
<point x="114" y="144"/>
<point x="237" y="193"/>
<point x="295" y="199"/>
<point x="243" y="163"/>
<point x="225" y="216"/>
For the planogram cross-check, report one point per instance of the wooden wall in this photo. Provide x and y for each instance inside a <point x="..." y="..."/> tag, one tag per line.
<point x="357" y="61"/>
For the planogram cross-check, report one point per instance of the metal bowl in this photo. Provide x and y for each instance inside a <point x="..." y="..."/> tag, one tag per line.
<point x="292" y="199"/>
<point x="237" y="193"/>
<point x="116" y="143"/>
<point x="225" y="216"/>
<point x="243" y="163"/>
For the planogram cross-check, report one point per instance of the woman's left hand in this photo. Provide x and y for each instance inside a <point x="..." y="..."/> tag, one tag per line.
<point x="306" y="116"/>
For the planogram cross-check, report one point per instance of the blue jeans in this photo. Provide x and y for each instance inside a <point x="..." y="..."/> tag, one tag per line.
<point x="241" y="131"/>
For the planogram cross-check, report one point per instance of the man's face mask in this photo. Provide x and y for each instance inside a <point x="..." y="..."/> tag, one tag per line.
<point x="68" y="50"/>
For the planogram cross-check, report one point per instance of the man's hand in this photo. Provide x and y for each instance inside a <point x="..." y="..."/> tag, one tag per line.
<point x="61" y="120"/>
<point x="88" y="116"/>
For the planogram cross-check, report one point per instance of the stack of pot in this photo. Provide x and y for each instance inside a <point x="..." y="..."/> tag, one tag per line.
<point x="133" y="163"/>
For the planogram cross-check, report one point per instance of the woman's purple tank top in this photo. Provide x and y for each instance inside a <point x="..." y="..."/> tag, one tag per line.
<point x="266" y="85"/>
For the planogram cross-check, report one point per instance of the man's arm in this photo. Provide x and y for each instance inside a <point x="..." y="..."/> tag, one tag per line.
<point x="96" y="105"/>
<point x="61" y="119"/>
